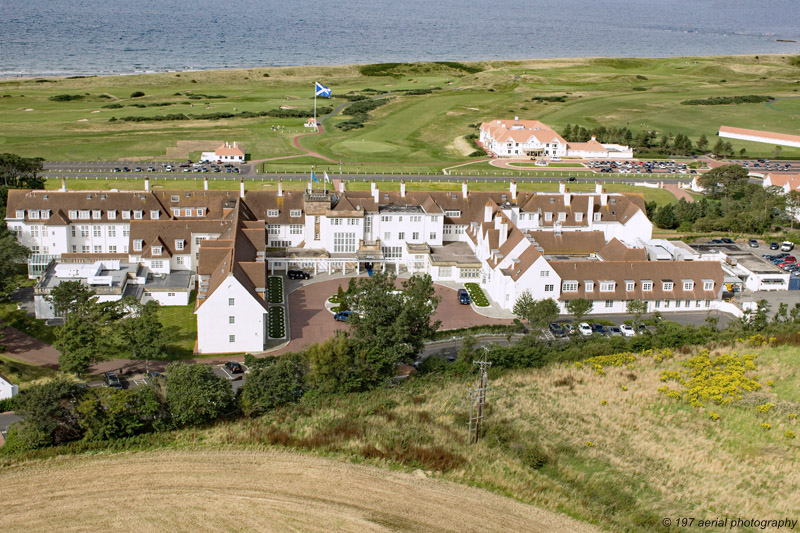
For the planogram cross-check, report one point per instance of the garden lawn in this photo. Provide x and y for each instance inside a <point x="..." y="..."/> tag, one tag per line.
<point x="180" y="327"/>
<point x="24" y="374"/>
<point x="476" y="294"/>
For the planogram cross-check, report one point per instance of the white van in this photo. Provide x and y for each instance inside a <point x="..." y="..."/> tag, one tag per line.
<point x="787" y="246"/>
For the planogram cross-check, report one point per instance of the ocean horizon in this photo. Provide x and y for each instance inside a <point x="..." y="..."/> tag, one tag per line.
<point x="88" y="37"/>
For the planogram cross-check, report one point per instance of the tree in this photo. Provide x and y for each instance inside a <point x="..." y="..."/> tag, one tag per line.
<point x="339" y="364"/>
<point x="538" y="313"/>
<point x="728" y="179"/>
<point x="12" y="256"/>
<point x="48" y="415"/>
<point x="665" y="217"/>
<point x="682" y="144"/>
<point x="719" y="148"/>
<point x="637" y="308"/>
<point x="395" y="323"/>
<point x="776" y="152"/>
<point x="702" y="143"/>
<point x="143" y="332"/>
<point x="71" y="298"/>
<point x="195" y="395"/>
<point x="81" y="343"/>
<point x="280" y="382"/>
<point x="579" y="307"/>
<point x="106" y="414"/>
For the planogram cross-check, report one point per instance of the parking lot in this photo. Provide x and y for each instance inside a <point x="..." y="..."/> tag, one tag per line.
<point x="640" y="167"/>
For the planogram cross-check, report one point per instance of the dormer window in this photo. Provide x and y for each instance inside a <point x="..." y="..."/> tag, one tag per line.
<point x="201" y="211"/>
<point x="569" y="286"/>
<point x="176" y="211"/>
<point x="588" y="285"/>
<point x="157" y="250"/>
<point x="578" y="217"/>
<point x="597" y="217"/>
<point x="179" y="244"/>
<point x="83" y="215"/>
<point x="45" y="214"/>
<point x="137" y="245"/>
<point x="187" y="212"/>
<point x="73" y="214"/>
<point x="272" y="212"/>
<point x="33" y="214"/>
<point x="607" y="286"/>
<point x="154" y="214"/>
<point x="708" y="284"/>
<point x="688" y="284"/>
<point x="647" y="285"/>
<point x="295" y="213"/>
<point x="667" y="285"/>
<point x="629" y="285"/>
<point x="562" y="217"/>
<point x="175" y="198"/>
<point x="112" y="215"/>
<point x="137" y="215"/>
<point x="548" y="217"/>
<point x="20" y="213"/>
<point x="97" y="214"/>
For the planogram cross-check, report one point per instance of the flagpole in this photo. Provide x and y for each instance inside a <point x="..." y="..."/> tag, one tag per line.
<point x="315" y="108"/>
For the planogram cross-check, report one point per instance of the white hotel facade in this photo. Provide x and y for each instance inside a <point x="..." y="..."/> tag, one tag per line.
<point x="556" y="245"/>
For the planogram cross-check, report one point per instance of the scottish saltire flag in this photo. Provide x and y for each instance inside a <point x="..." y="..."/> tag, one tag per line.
<point x="326" y="176"/>
<point x="321" y="90"/>
<point x="313" y="177"/>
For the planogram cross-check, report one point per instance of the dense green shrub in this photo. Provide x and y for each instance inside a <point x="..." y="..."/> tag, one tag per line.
<point x="273" y="383"/>
<point x="727" y="100"/>
<point x="113" y="106"/>
<point x="66" y="97"/>
<point x="195" y="395"/>
<point x="562" y="98"/>
<point x="137" y="94"/>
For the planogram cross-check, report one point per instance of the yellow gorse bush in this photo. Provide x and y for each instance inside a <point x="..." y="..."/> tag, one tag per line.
<point x="765" y="408"/>
<point x="626" y="359"/>
<point x="719" y="379"/>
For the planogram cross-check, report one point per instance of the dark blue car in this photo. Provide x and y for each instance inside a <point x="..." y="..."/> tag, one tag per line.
<point x="343" y="316"/>
<point x="463" y="297"/>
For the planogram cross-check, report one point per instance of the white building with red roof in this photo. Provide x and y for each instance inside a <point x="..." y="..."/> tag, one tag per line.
<point x="534" y="139"/>
<point x="227" y="153"/>
<point x="769" y="137"/>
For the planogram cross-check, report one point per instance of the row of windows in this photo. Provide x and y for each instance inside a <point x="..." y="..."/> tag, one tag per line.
<point x="647" y="285"/>
<point x="294" y="213"/>
<point x="344" y="242"/>
<point x="188" y="212"/>
<point x="345" y="221"/>
<point x="97" y="214"/>
<point x="86" y="249"/>
<point x="413" y="218"/>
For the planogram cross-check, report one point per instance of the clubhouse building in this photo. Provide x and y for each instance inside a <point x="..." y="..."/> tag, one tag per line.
<point x="533" y="139"/>
<point x="227" y="244"/>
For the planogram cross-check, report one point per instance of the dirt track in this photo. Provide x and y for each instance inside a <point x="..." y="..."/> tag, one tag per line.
<point x="249" y="491"/>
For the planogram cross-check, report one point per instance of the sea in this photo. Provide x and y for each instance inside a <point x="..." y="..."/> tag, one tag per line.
<point x="93" y="37"/>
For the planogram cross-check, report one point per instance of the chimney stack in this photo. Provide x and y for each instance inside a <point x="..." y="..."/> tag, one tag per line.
<point x="205" y="183"/>
<point x="241" y="187"/>
<point x="598" y="188"/>
<point x="341" y="186"/>
<point x="590" y="211"/>
<point x="280" y="187"/>
<point x="464" y="189"/>
<point x="567" y="197"/>
<point x="376" y="193"/>
<point x="147" y="183"/>
<point x="513" y="189"/>
<point x="603" y="198"/>
<point x="503" y="233"/>
<point x="63" y="184"/>
<point x="487" y="212"/>
<point x="561" y="187"/>
<point x="402" y="188"/>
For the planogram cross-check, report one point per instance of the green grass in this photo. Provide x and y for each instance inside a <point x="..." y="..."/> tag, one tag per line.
<point x="180" y="327"/>
<point x="476" y="294"/>
<point x="409" y="129"/>
<point x="23" y="374"/>
<point x="19" y="319"/>
<point x="276" y="323"/>
<point x="275" y="290"/>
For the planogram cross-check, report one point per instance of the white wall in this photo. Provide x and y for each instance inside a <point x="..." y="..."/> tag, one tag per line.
<point x="7" y="390"/>
<point x="214" y="327"/>
<point x="175" y="297"/>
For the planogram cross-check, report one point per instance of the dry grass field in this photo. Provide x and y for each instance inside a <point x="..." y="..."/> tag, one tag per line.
<point x="253" y="490"/>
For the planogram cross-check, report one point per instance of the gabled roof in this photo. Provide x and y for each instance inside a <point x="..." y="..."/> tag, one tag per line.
<point x="616" y="251"/>
<point x="230" y="150"/>
<point x="758" y="133"/>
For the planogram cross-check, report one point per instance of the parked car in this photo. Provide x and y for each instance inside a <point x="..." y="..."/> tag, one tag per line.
<point x="298" y="274"/>
<point x="585" y="329"/>
<point x="343" y="316"/>
<point x="753" y="243"/>
<point x="112" y="380"/>
<point x="627" y="330"/>
<point x="557" y="329"/>
<point x="726" y="240"/>
<point x="643" y="329"/>
<point x="787" y="246"/>
<point x="774" y="246"/>
<point x="599" y="329"/>
<point x="234" y="368"/>
<point x="463" y="297"/>
<point x="614" y="331"/>
<point x="568" y="329"/>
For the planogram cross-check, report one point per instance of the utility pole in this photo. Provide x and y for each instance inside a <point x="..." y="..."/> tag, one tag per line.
<point x="477" y="398"/>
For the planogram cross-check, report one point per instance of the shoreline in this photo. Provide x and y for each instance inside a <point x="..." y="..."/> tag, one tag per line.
<point x="77" y="76"/>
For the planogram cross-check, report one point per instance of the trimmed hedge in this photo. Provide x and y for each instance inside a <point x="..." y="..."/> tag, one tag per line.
<point x="276" y="323"/>
<point x="476" y="294"/>
<point x="275" y="290"/>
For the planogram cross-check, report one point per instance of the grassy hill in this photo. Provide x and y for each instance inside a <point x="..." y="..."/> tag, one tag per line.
<point x="618" y="441"/>
<point x="419" y="129"/>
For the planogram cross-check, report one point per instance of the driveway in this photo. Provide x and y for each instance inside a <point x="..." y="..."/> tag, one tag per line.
<point x="312" y="323"/>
